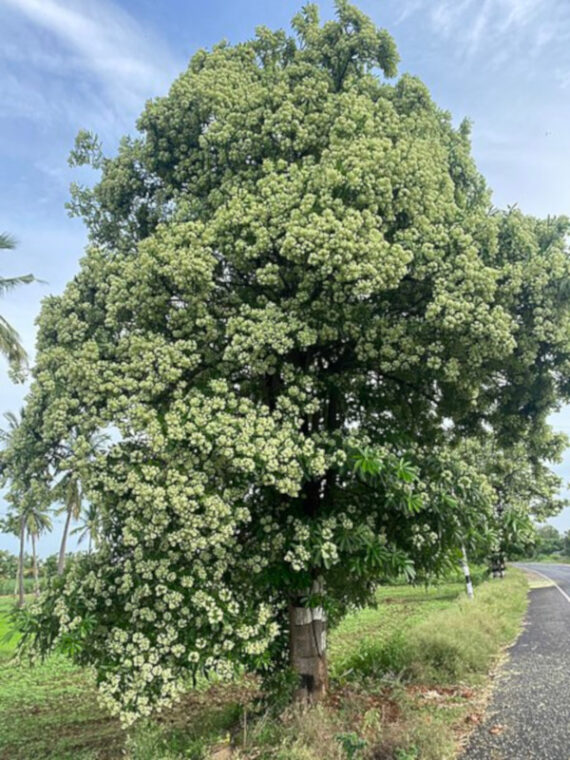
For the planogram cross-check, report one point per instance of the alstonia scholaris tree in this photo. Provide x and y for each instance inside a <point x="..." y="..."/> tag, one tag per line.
<point x="295" y="294"/>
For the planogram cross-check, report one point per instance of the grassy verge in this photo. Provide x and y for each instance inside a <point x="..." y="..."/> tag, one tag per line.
<point x="549" y="559"/>
<point x="409" y="677"/>
<point x="406" y="677"/>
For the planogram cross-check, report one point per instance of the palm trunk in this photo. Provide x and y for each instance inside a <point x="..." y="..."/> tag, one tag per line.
<point x="21" y="562"/>
<point x="465" y="567"/>
<point x="498" y="559"/>
<point x="307" y="648"/>
<point x="35" y="566"/>
<point x="61" y="560"/>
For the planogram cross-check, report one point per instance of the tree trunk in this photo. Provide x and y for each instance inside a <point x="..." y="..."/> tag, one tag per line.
<point x="465" y="567"/>
<point x="498" y="559"/>
<point x="35" y="566"/>
<point x="61" y="560"/>
<point x="498" y="565"/>
<point x="21" y="562"/>
<point x="307" y="648"/>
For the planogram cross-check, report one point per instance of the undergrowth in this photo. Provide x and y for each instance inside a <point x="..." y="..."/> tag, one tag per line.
<point x="404" y="676"/>
<point x="402" y="682"/>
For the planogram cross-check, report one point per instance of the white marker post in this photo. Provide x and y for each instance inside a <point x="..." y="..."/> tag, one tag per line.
<point x="465" y="566"/>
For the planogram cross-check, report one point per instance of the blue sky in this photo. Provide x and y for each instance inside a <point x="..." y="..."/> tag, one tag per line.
<point x="71" y="64"/>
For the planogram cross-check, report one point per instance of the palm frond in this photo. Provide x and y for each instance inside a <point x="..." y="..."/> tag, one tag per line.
<point x="11" y="346"/>
<point x="37" y="522"/>
<point x="9" y="283"/>
<point x="7" y="242"/>
<point x="13" y="419"/>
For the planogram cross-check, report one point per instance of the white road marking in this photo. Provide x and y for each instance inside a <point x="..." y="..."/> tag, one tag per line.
<point x="564" y="594"/>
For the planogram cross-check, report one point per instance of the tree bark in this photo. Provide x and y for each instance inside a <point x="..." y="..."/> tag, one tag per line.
<point x="61" y="560"/>
<point x="21" y="562"/>
<point x="498" y="565"/>
<point x="307" y="648"/>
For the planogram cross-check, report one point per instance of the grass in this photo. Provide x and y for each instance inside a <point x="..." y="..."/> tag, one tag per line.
<point x="378" y="633"/>
<point x="49" y="710"/>
<point x="405" y="677"/>
<point x="408" y="677"/>
<point x="7" y="586"/>
<point x="426" y="638"/>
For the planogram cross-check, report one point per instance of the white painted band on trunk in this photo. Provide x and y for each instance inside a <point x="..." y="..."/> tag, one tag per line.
<point x="306" y="615"/>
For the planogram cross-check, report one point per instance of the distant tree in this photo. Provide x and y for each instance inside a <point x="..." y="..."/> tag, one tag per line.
<point x="8" y="561"/>
<point x="15" y="522"/>
<point x="38" y="521"/>
<point x="49" y="565"/>
<point x="68" y="490"/>
<point x="10" y="344"/>
<point x="525" y="489"/>
<point x="88" y="527"/>
<point x="548" y="540"/>
<point x="13" y="525"/>
<point x="27" y="497"/>
<point x="566" y="544"/>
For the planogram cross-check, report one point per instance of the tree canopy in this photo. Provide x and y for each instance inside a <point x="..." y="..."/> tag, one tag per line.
<point x="297" y="301"/>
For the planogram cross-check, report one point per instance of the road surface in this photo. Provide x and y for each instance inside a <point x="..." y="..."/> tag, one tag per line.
<point x="529" y="714"/>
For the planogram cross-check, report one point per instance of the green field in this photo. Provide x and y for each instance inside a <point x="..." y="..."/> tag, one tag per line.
<point x="381" y="659"/>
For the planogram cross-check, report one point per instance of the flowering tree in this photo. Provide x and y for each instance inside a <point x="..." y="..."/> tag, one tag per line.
<point x="296" y="295"/>
<point x="523" y="489"/>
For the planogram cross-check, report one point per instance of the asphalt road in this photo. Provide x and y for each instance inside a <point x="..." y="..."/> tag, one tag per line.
<point x="529" y="714"/>
<point x="560" y="574"/>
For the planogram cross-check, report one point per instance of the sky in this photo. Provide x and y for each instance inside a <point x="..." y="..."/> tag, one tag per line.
<point x="72" y="64"/>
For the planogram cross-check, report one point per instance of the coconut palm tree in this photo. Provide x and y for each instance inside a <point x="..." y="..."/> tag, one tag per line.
<point x="37" y="521"/>
<point x="68" y="490"/>
<point x="14" y="420"/>
<point x="88" y="527"/>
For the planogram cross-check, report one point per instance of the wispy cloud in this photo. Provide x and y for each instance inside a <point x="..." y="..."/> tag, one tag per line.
<point x="110" y="58"/>
<point x="477" y="25"/>
<point x="408" y="9"/>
